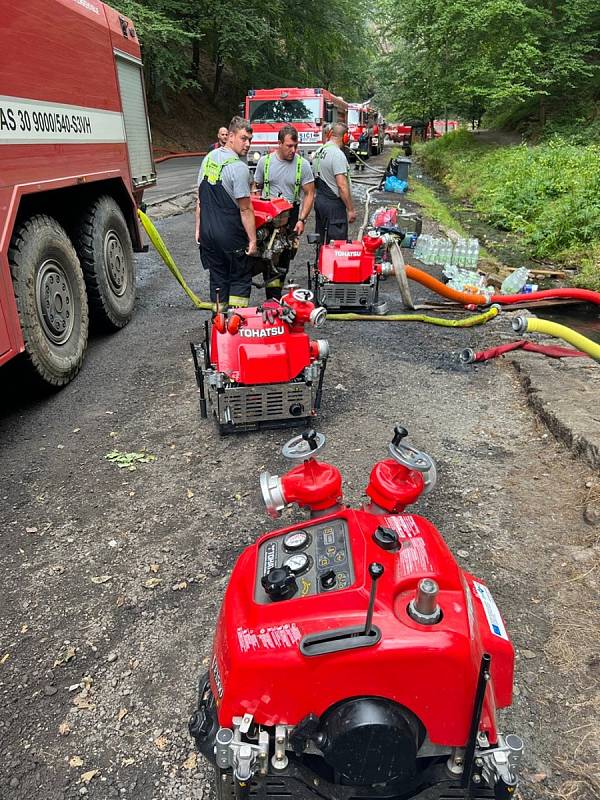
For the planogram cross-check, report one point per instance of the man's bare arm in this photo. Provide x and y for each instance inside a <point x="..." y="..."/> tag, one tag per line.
<point x="198" y="220"/>
<point x="346" y="195"/>
<point x="249" y="223"/>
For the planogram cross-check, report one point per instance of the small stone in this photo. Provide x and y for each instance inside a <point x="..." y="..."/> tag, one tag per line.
<point x="527" y="654"/>
<point x="14" y="782"/>
<point x="50" y="690"/>
<point x="111" y="657"/>
<point x="463" y="553"/>
<point x="591" y="514"/>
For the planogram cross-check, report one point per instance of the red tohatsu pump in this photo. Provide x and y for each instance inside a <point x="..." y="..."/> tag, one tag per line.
<point x="346" y="275"/>
<point x="257" y="367"/>
<point x="353" y="657"/>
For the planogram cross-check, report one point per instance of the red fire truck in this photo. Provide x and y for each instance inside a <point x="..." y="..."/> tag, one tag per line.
<point x="308" y="110"/>
<point x="75" y="156"/>
<point x="363" y="117"/>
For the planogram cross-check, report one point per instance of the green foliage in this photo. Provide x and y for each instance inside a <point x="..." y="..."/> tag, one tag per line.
<point x="549" y="193"/>
<point x="269" y="43"/>
<point x="465" y="58"/>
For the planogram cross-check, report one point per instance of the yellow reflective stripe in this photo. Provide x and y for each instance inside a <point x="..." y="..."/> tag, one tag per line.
<point x="298" y="183"/>
<point x="239" y="302"/>
<point x="266" y="192"/>
<point x="222" y="306"/>
<point x="212" y="171"/>
<point x="274" y="282"/>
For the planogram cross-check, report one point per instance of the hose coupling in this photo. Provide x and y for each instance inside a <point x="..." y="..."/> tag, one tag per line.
<point x="519" y="324"/>
<point x="466" y="356"/>
<point x="318" y="316"/>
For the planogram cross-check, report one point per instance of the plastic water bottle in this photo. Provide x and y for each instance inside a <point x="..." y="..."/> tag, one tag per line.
<point x="515" y="281"/>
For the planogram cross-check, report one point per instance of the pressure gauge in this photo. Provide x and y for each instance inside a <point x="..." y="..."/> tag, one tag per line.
<point x="298" y="563"/>
<point x="297" y="540"/>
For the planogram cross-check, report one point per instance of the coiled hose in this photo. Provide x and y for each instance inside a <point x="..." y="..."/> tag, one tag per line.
<point x="535" y="325"/>
<point x="467" y="322"/>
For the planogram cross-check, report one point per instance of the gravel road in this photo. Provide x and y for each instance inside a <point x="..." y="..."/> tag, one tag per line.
<point x="111" y="579"/>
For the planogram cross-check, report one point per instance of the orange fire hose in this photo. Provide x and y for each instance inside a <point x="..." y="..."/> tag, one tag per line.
<point x="466" y="298"/>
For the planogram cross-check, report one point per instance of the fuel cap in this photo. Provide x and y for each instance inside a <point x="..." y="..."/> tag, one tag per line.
<point x="297" y="540"/>
<point x="386" y="538"/>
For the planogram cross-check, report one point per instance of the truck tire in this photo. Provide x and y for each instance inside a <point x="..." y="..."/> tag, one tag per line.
<point x="51" y="300"/>
<point x="104" y="248"/>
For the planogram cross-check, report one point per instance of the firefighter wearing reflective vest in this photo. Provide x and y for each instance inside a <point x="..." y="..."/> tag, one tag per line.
<point x="334" y="208"/>
<point x="284" y="173"/>
<point x="225" y="224"/>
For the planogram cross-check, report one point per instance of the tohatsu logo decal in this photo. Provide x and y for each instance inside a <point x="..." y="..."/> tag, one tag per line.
<point x="255" y="333"/>
<point x="347" y="253"/>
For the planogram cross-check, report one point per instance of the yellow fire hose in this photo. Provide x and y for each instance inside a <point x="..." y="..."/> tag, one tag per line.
<point x="535" y="325"/>
<point x="156" y="240"/>
<point x="467" y="322"/>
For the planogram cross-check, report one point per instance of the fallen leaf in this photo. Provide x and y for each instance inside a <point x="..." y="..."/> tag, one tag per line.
<point x="31" y="530"/>
<point x="121" y="600"/>
<point x="64" y="729"/>
<point x="154" y="567"/>
<point x="191" y="762"/>
<point x="75" y="761"/>
<point x="101" y="578"/>
<point x="127" y="762"/>
<point x="24" y="628"/>
<point x="190" y="494"/>
<point x="122" y="714"/>
<point x="151" y="583"/>
<point x="64" y="656"/>
<point x="82" y="702"/>
<point x="87" y="776"/>
<point x="161" y="742"/>
<point x="179" y="586"/>
<point x="76" y="430"/>
<point x="538" y="777"/>
<point x="4" y="658"/>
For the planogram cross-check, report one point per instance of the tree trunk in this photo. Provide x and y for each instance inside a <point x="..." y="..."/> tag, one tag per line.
<point x="195" y="65"/>
<point x="542" y="110"/>
<point x="219" y="66"/>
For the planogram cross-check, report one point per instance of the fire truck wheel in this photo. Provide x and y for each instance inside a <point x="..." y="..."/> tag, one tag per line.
<point x="51" y="301"/>
<point x="104" y="248"/>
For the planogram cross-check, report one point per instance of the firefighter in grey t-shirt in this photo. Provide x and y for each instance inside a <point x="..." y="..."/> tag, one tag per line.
<point x="334" y="208"/>
<point x="284" y="173"/>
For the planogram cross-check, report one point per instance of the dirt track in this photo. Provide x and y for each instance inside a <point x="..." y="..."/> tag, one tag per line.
<point x="111" y="579"/>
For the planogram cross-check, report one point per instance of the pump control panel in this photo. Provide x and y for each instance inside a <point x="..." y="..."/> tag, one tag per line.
<point x="317" y="556"/>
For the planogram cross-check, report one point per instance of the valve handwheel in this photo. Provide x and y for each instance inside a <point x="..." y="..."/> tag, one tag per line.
<point x="412" y="458"/>
<point x="303" y="295"/>
<point x="304" y="446"/>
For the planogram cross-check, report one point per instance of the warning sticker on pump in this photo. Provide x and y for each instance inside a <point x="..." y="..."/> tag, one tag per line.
<point x="278" y="637"/>
<point x="413" y="559"/>
<point x="491" y="610"/>
<point x="405" y="526"/>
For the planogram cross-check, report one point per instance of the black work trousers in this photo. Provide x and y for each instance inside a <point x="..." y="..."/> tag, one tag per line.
<point x="229" y="273"/>
<point x="331" y="216"/>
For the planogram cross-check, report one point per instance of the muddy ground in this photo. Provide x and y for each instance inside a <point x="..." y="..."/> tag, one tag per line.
<point x="111" y="579"/>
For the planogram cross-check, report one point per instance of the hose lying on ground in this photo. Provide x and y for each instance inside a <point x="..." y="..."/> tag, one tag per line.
<point x="468" y="356"/>
<point x="466" y="298"/>
<point x="533" y="324"/>
<point x="467" y="322"/>
<point x="156" y="240"/>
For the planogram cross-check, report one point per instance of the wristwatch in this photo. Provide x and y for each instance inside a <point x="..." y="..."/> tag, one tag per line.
<point x="303" y="221"/>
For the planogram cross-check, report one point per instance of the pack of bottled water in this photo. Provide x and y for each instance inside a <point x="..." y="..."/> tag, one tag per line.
<point x="464" y="253"/>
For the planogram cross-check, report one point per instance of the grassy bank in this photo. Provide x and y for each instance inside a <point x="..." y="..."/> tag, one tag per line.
<point x="549" y="194"/>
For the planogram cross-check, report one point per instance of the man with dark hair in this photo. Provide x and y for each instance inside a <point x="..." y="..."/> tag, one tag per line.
<point x="334" y="208"/>
<point x="284" y="173"/>
<point x="225" y="224"/>
<point x="222" y="134"/>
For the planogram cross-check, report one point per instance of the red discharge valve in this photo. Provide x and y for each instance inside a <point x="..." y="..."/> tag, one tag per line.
<point x="312" y="484"/>
<point x="398" y="481"/>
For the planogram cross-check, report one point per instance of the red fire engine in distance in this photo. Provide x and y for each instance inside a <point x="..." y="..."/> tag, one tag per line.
<point x="308" y="110"/>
